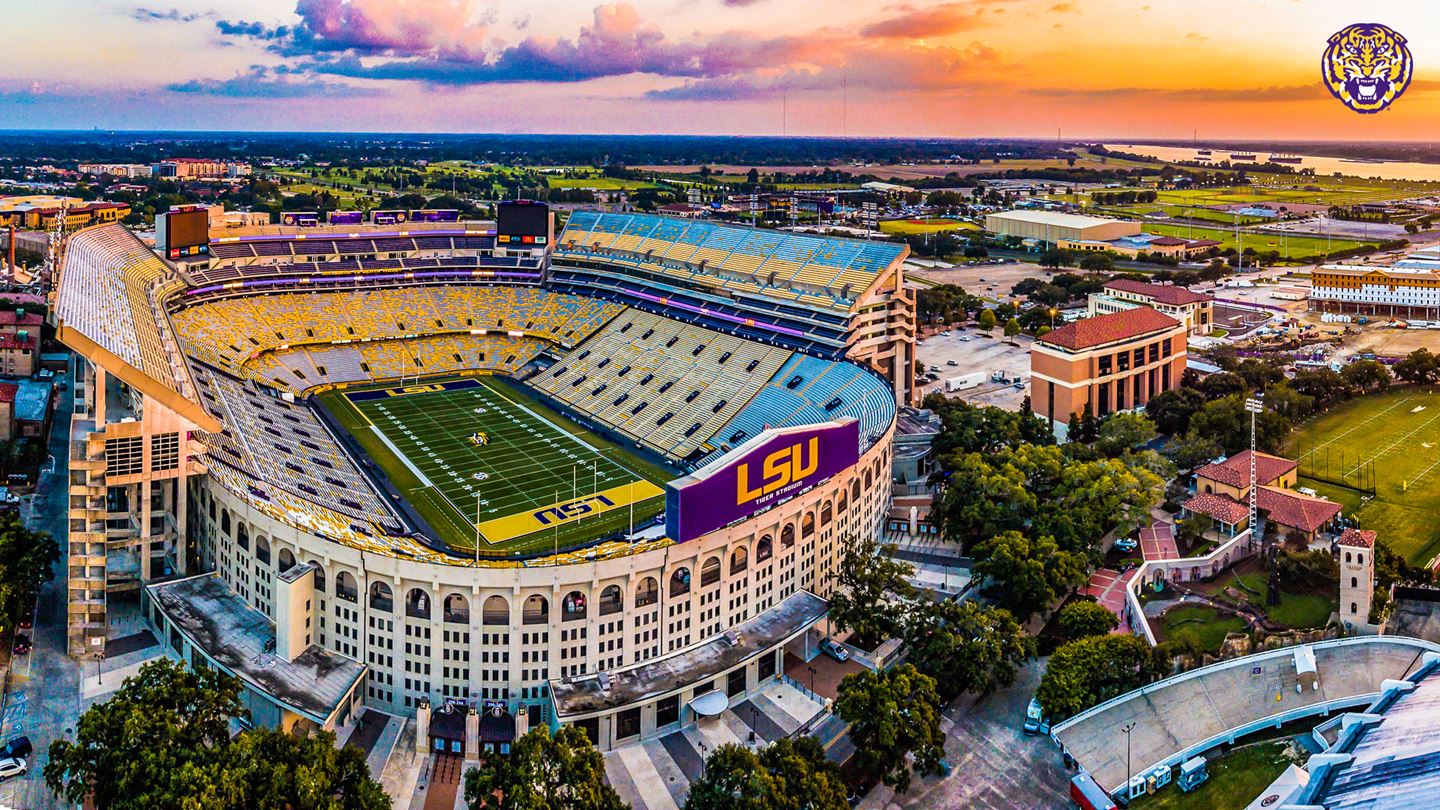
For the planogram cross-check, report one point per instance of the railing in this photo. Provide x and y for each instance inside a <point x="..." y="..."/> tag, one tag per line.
<point x="1136" y="609"/>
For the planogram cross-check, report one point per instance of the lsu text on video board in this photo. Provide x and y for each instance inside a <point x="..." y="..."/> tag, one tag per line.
<point x="187" y="232"/>
<point x="522" y="222"/>
<point x="769" y="469"/>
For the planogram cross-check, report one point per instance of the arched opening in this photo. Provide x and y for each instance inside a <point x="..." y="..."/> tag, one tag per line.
<point x="739" y="561"/>
<point x="417" y="604"/>
<point x="346" y="587"/>
<point x="457" y="609"/>
<point x="573" y="607"/>
<point x="648" y="593"/>
<point x="287" y="559"/>
<point x="262" y="549"/>
<point x="242" y="537"/>
<point x="319" y="576"/>
<point x="611" y="600"/>
<point x="537" y="610"/>
<point x="765" y="549"/>
<point x="1359" y="558"/>
<point x="225" y="522"/>
<point x="827" y="514"/>
<point x="1347" y="558"/>
<point x="710" y="572"/>
<point x="497" y="611"/>
<point x="855" y="491"/>
<point x="787" y="537"/>
<point x="381" y="597"/>
<point x="1354" y="582"/>
<point x="869" y="480"/>
<point x="680" y="582"/>
<point x="807" y="525"/>
<point x="1354" y="608"/>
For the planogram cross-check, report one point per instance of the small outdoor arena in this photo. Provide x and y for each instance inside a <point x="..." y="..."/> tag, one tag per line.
<point x="478" y="459"/>
<point x="1379" y="456"/>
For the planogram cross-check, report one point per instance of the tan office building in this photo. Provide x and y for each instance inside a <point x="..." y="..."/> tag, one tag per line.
<point x="1113" y="362"/>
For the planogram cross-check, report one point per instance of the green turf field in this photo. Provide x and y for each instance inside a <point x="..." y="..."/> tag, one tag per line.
<point x="1286" y="244"/>
<point x="906" y="227"/>
<point x="541" y="481"/>
<point x="1384" y="438"/>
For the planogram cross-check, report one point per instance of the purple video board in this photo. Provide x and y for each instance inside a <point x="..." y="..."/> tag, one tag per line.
<point x="434" y="215"/>
<point x="346" y="217"/>
<point x="786" y="463"/>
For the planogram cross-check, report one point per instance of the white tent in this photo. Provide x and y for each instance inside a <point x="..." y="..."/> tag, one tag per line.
<point x="1305" y="672"/>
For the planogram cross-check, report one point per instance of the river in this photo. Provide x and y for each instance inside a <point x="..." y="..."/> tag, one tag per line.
<point x="1385" y="170"/>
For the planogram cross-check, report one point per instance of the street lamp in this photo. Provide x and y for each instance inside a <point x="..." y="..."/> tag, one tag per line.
<point x="812" y="680"/>
<point x="1253" y="405"/>
<point x="1127" y="728"/>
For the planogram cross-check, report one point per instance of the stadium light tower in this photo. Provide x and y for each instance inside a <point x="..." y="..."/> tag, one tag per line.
<point x="1253" y="405"/>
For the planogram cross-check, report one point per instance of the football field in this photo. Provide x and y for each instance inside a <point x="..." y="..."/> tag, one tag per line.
<point x="1388" y="442"/>
<point x="474" y="453"/>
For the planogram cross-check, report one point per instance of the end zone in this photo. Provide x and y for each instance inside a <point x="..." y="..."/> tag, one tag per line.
<point x="500" y="530"/>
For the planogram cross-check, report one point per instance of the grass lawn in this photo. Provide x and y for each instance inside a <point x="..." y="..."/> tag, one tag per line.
<point x="1287" y="245"/>
<point x="1394" y="439"/>
<point x="599" y="183"/>
<point x="1298" y="610"/>
<point x="529" y="461"/>
<point x="1235" y="780"/>
<point x="906" y="227"/>
<point x="1209" y="625"/>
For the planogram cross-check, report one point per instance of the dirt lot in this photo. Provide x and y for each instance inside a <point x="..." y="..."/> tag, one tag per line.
<point x="979" y="354"/>
<point x="979" y="279"/>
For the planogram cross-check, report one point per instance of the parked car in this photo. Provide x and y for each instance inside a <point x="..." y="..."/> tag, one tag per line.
<point x="951" y="363"/>
<point x="18" y="748"/>
<point x="964" y="338"/>
<point x="834" y="649"/>
<point x="22" y="644"/>
<point x="1126" y="544"/>
<point x="11" y="768"/>
<point x="1035" y="720"/>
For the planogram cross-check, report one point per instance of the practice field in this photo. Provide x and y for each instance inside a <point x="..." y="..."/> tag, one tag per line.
<point x="475" y="449"/>
<point x="1285" y="244"/>
<point x="906" y="227"/>
<point x="1390" y="441"/>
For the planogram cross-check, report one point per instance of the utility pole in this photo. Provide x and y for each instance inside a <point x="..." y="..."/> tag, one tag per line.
<point x="1253" y="406"/>
<point x="1126" y="729"/>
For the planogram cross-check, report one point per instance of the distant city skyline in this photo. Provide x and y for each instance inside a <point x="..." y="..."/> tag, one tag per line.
<point x="971" y="68"/>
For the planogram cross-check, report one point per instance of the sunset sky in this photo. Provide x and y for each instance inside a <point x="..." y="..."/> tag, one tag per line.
<point x="1091" y="68"/>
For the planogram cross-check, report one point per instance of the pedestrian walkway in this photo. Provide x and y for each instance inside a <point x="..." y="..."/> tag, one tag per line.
<point x="656" y="774"/>
<point x="1158" y="543"/>
<point x="1107" y="587"/>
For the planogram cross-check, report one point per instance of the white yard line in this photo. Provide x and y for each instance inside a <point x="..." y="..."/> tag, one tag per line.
<point x="404" y="459"/>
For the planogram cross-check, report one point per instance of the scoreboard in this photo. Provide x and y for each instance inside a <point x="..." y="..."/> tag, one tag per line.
<point x="184" y="232"/>
<point x="522" y="223"/>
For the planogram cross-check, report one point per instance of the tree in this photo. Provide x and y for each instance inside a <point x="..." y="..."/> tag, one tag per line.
<point x="1365" y="376"/>
<point x="1192" y="528"/>
<point x="1084" y="673"/>
<point x="980" y="499"/>
<point x="1077" y="620"/>
<point x="965" y="646"/>
<point x="288" y="772"/>
<point x="1089" y="426"/>
<point x="1124" y="431"/>
<point x="871" y="581"/>
<point x="563" y="772"/>
<point x="1226" y="422"/>
<point x="1223" y="384"/>
<point x="789" y="774"/>
<point x="1055" y="258"/>
<point x="1012" y="328"/>
<point x="1171" y="410"/>
<point x="987" y="319"/>
<point x="892" y="713"/>
<point x="27" y="559"/>
<point x="1023" y="575"/>
<point x="1097" y="263"/>
<point x="1419" y="367"/>
<point x="1074" y="431"/>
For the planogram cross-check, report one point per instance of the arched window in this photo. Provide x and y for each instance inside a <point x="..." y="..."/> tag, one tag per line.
<point x="826" y="514"/>
<point x="1354" y="582"/>
<point x="381" y="597"/>
<point x="869" y="480"/>
<point x="573" y="607"/>
<point x="648" y="593"/>
<point x="225" y="522"/>
<point x="287" y="559"/>
<point x="765" y="549"/>
<point x="680" y="582"/>
<point x="1354" y="608"/>
<point x="710" y="572"/>
<point x="1359" y="558"/>
<point x="807" y="525"/>
<point x="611" y="600"/>
<point x="739" y="561"/>
<point x="242" y="537"/>
<point x="345" y="586"/>
<point x="457" y="609"/>
<point x="787" y="537"/>
<point x="497" y="611"/>
<point x="319" y="576"/>
<point x="844" y="502"/>
<point x="855" y="491"/>
<point x="1347" y="558"/>
<point x="537" y="610"/>
<point x="262" y="549"/>
<point x="417" y="604"/>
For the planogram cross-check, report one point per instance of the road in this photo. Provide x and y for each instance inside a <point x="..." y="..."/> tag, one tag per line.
<point x="44" y="698"/>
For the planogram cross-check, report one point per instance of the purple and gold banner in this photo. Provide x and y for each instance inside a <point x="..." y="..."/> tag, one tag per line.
<point x="758" y="475"/>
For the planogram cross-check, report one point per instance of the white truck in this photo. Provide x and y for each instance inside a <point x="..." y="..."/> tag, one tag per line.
<point x="1000" y="377"/>
<point x="965" y="382"/>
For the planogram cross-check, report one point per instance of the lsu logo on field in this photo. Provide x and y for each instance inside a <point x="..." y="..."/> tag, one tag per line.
<point x="561" y="512"/>
<point x="498" y="530"/>
<point x="779" y="469"/>
<point x="1367" y="66"/>
<point x="414" y="389"/>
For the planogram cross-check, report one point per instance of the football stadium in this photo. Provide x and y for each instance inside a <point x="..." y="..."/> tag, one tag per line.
<point x="569" y="472"/>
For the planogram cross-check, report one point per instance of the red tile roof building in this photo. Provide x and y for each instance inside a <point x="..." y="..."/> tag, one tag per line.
<point x="1357" y="538"/>
<point x="1235" y="471"/>
<point x="1112" y="362"/>
<point x="1195" y="310"/>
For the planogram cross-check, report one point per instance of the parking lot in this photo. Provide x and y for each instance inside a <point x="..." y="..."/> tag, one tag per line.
<point x="974" y="352"/>
<point x="979" y="279"/>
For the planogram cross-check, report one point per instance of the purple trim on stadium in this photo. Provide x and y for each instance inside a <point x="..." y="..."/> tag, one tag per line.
<point x="709" y="313"/>
<point x="275" y="282"/>
<point x="322" y="237"/>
